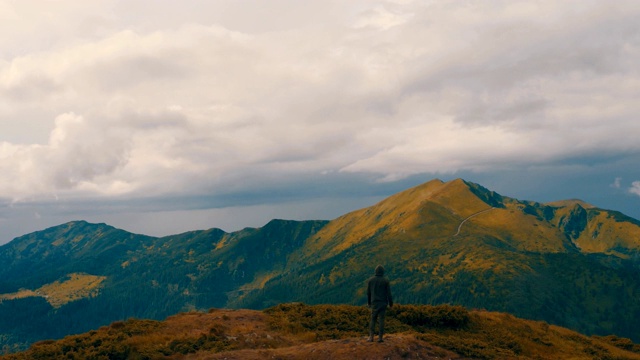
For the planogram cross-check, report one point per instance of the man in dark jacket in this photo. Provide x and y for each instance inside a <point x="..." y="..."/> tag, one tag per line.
<point x="378" y="297"/>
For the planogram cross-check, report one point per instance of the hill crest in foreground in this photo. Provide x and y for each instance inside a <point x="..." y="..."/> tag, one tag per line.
<point x="299" y="331"/>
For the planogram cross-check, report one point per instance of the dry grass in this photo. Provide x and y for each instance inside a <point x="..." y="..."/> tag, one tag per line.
<point x="73" y="287"/>
<point x="20" y="294"/>
<point x="397" y="215"/>
<point x="299" y="331"/>
<point x="604" y="235"/>
<point x="531" y="234"/>
<point x="76" y="286"/>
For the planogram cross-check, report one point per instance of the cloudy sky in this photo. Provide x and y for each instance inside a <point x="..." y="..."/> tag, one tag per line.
<point x="164" y="116"/>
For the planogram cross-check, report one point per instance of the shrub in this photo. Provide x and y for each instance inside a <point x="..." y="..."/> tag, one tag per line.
<point x="439" y="316"/>
<point x="327" y="321"/>
<point x="622" y="343"/>
<point x="339" y="321"/>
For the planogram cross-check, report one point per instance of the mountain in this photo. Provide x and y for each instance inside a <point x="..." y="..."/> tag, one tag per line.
<point x="460" y="243"/>
<point x="568" y="263"/>
<point x="45" y="274"/>
<point x="298" y="331"/>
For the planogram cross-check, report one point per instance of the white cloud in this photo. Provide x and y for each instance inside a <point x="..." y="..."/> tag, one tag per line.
<point x="635" y="188"/>
<point x="170" y="102"/>
<point x="381" y="18"/>
<point x="76" y="156"/>
<point x="616" y="183"/>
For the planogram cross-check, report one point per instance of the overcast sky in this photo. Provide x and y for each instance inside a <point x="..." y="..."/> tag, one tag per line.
<point x="163" y="116"/>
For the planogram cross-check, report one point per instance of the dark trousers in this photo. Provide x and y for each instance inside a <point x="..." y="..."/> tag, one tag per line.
<point x="378" y="312"/>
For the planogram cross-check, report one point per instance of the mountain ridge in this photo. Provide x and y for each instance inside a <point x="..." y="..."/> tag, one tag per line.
<point x="442" y="242"/>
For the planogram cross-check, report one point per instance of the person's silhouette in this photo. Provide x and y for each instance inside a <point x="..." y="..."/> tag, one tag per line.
<point x="378" y="297"/>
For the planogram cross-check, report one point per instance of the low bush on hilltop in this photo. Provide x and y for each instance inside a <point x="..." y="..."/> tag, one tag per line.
<point x="439" y="316"/>
<point x="340" y="321"/>
<point x="622" y="343"/>
<point x="124" y="340"/>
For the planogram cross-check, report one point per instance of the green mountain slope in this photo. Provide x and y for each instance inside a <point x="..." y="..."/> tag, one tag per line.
<point x="568" y="263"/>
<point x="140" y="276"/>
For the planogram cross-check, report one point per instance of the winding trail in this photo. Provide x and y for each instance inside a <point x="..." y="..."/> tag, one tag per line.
<point x="469" y="217"/>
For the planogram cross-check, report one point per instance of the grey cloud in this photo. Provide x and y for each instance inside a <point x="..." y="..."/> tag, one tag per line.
<point x="78" y="157"/>
<point x="33" y="87"/>
<point x="492" y="111"/>
<point x="506" y="57"/>
<point x="594" y="158"/>
<point x="135" y="69"/>
<point x="248" y="16"/>
<point x="151" y="119"/>
<point x="82" y="153"/>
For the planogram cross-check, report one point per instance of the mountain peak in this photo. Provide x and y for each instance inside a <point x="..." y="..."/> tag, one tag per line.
<point x="457" y="195"/>
<point x="570" y="203"/>
<point x="434" y="207"/>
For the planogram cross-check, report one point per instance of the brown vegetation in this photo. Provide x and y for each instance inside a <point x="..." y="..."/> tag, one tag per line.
<point x="299" y="331"/>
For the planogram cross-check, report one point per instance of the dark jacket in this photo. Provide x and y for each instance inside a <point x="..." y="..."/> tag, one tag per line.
<point x="378" y="289"/>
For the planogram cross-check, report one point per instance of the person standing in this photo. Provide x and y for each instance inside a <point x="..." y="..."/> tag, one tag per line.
<point x="378" y="297"/>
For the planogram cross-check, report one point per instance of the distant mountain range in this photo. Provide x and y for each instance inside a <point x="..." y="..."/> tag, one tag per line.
<point x="568" y="263"/>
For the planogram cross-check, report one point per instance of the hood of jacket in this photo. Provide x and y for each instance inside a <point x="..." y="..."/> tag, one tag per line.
<point x="379" y="270"/>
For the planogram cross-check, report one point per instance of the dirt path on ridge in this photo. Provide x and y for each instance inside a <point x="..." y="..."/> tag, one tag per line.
<point x="469" y="217"/>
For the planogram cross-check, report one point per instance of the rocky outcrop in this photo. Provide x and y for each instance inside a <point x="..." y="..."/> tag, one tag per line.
<point x="574" y="223"/>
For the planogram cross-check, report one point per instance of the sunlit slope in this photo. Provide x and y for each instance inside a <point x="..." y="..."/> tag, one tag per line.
<point x="458" y="242"/>
<point x="439" y="210"/>
<point x="431" y="210"/>
<point x="456" y="215"/>
<point x="608" y="232"/>
<point x="72" y="288"/>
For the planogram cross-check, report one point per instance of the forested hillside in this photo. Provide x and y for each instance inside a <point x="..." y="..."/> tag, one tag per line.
<point x="144" y="277"/>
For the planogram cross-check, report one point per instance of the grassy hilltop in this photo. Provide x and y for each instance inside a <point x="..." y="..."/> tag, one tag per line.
<point x="298" y="331"/>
